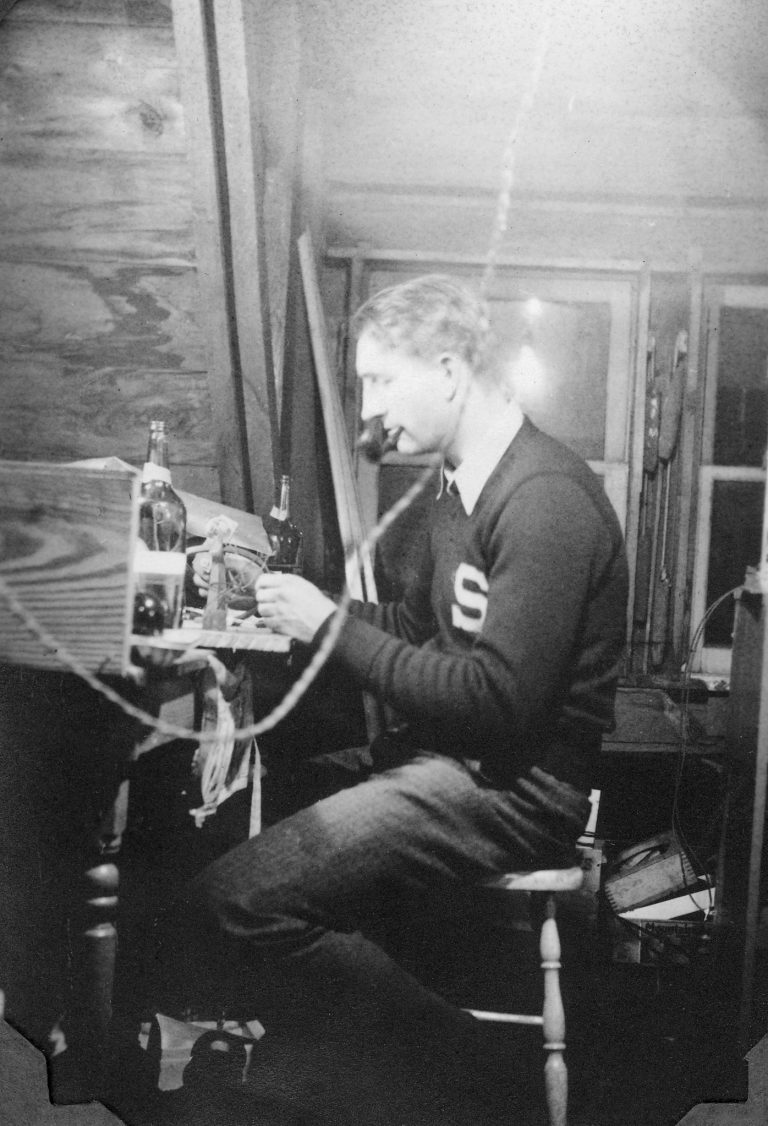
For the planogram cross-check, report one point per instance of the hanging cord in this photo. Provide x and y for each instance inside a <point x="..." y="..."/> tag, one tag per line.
<point x="684" y="711"/>
<point x="291" y="698"/>
<point x="323" y="652"/>
<point x="510" y="151"/>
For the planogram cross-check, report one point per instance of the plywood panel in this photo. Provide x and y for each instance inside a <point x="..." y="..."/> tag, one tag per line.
<point x="67" y="537"/>
<point x="94" y="11"/>
<point x="130" y="205"/>
<point x="103" y="315"/>
<point x="118" y="91"/>
<point x="51" y="413"/>
<point x="90" y="354"/>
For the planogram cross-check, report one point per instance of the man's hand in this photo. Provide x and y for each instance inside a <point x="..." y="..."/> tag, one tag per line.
<point x="292" y="606"/>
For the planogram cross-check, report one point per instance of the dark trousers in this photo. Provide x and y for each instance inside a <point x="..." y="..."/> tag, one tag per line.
<point x="295" y="916"/>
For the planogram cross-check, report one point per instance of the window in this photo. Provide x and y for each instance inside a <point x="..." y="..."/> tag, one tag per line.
<point x="571" y="340"/>
<point x="732" y="470"/>
<point x="568" y="345"/>
<point x="568" y="342"/>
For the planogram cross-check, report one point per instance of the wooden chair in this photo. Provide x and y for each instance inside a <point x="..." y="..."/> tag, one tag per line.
<point x="542" y="888"/>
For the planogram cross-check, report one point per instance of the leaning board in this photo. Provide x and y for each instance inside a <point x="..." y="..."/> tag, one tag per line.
<point x="66" y="548"/>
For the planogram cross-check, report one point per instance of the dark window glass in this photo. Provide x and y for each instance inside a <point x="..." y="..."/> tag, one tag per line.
<point x="736" y="530"/>
<point x="741" y="413"/>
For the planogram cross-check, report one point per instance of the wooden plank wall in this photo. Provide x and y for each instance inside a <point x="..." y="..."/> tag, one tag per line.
<point x="99" y="325"/>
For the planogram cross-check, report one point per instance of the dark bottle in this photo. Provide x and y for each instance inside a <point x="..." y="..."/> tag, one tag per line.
<point x="162" y="515"/>
<point x="160" y="559"/>
<point x="284" y="536"/>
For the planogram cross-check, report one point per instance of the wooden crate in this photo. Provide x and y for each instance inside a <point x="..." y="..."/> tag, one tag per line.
<point x="66" y="547"/>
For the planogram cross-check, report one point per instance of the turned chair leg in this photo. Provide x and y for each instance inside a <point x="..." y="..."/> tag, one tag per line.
<point x="553" y="1024"/>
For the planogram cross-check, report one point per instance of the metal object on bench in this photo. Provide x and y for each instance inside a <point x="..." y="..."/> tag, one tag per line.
<point x="544" y="884"/>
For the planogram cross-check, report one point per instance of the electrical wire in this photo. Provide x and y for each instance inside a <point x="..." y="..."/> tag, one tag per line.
<point x="677" y="826"/>
<point x="294" y="693"/>
<point x="323" y="652"/>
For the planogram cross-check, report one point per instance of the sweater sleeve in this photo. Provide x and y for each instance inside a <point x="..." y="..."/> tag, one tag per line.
<point x="410" y="619"/>
<point x="541" y="554"/>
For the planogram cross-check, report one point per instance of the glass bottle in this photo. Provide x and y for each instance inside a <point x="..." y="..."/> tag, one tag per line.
<point x="160" y="559"/>
<point x="284" y="536"/>
<point x="162" y="515"/>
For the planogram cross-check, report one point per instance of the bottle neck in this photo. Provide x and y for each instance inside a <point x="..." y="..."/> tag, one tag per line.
<point x="156" y="467"/>
<point x="282" y="511"/>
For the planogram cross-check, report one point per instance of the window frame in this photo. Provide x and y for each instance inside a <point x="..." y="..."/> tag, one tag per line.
<point x="625" y="285"/>
<point x="712" y="660"/>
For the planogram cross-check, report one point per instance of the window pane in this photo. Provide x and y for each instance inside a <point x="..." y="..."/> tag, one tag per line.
<point x="557" y="355"/>
<point x="736" y="530"/>
<point x="741" y="413"/>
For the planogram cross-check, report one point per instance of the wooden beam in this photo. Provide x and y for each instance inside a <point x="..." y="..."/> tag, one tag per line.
<point x="281" y="69"/>
<point x="689" y="447"/>
<point x="359" y="571"/>
<point x="357" y="557"/>
<point x="212" y="237"/>
<point x="237" y="25"/>
<point x="446" y="258"/>
<point x="304" y="448"/>
<point x="635" y="441"/>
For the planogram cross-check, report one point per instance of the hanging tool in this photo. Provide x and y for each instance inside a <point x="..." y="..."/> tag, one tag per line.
<point x="650" y="463"/>
<point x="669" y="428"/>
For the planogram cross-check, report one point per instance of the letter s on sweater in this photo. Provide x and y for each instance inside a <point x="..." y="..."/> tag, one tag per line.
<point x="470" y="588"/>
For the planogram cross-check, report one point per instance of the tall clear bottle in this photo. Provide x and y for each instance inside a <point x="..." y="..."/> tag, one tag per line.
<point x="160" y="560"/>
<point x="285" y="536"/>
<point x="162" y="515"/>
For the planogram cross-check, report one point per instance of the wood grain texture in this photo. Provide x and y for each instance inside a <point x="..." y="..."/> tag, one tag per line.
<point x="137" y="12"/>
<point x="105" y="315"/>
<point x="60" y="207"/>
<point x="99" y="296"/>
<point x="278" y="50"/>
<point x="237" y="30"/>
<point x="55" y="414"/>
<point x="217" y="317"/>
<point x="117" y="92"/>
<point x="91" y="354"/>
<point x="66" y="540"/>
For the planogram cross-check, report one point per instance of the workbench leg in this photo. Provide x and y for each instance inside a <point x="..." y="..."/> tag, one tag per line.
<point x="92" y="926"/>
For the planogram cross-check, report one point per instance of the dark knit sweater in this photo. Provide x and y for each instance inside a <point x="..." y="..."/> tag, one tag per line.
<point x="537" y="664"/>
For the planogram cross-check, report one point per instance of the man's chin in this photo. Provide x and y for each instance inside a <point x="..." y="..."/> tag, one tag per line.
<point x="403" y="443"/>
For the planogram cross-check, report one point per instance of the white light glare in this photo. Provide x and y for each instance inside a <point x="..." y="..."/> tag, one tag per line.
<point x="528" y="377"/>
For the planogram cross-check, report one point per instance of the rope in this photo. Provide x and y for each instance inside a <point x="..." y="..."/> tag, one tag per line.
<point x="292" y="696"/>
<point x="504" y="202"/>
<point x="323" y="652"/>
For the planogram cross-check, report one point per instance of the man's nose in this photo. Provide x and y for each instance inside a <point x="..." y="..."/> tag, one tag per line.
<point x="370" y="404"/>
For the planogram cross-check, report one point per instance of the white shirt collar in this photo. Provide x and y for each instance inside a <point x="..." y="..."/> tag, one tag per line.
<point x="478" y="465"/>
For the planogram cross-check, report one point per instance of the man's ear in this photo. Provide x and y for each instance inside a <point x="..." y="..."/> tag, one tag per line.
<point x="453" y="368"/>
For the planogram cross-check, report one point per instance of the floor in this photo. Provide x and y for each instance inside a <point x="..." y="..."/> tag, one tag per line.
<point x="646" y="1041"/>
<point x="646" y="1044"/>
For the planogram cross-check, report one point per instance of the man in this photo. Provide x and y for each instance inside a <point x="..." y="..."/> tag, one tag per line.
<point x="501" y="662"/>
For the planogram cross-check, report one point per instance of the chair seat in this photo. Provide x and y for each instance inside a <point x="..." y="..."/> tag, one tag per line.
<point x="543" y="879"/>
